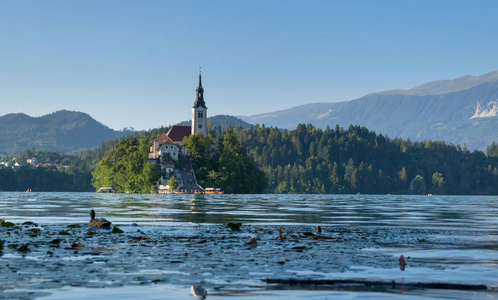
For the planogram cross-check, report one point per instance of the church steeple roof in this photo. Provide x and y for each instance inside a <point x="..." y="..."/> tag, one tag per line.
<point x="199" y="98"/>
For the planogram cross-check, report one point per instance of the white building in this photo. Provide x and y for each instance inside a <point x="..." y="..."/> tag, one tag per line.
<point x="160" y="146"/>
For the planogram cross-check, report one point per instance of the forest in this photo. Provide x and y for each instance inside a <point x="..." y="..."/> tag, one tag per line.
<point x="222" y="162"/>
<point x="304" y="160"/>
<point x="356" y="160"/>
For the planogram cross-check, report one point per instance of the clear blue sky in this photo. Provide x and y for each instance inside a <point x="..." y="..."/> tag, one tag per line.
<point x="136" y="63"/>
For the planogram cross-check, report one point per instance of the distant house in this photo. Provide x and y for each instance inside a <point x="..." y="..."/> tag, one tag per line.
<point x="31" y="160"/>
<point x="160" y="146"/>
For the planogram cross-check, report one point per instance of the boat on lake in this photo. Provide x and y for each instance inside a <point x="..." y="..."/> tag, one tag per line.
<point x="213" y="191"/>
<point x="107" y="190"/>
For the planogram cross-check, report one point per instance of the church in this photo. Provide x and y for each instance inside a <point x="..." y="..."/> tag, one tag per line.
<point x="170" y="143"/>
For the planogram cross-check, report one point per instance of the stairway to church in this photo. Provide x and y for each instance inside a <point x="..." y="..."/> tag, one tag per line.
<point x="189" y="180"/>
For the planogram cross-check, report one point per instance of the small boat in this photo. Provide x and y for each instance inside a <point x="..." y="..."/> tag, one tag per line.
<point x="107" y="190"/>
<point x="213" y="191"/>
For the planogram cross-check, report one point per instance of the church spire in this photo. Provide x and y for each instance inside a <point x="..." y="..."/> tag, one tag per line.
<point x="199" y="99"/>
<point x="200" y="83"/>
<point x="199" y="110"/>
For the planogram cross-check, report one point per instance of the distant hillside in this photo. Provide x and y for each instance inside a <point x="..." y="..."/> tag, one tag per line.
<point x="468" y="114"/>
<point x="224" y="121"/>
<point x="61" y="131"/>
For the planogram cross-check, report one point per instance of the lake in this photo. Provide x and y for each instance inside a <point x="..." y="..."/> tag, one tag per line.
<point x="172" y="243"/>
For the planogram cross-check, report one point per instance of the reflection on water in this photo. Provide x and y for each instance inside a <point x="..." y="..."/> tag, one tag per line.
<point x="443" y="212"/>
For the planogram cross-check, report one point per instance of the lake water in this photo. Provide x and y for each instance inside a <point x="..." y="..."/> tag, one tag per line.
<point x="173" y="242"/>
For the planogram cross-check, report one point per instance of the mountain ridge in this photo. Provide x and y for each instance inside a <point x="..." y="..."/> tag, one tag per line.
<point x="63" y="131"/>
<point x="466" y="116"/>
<point x="445" y="86"/>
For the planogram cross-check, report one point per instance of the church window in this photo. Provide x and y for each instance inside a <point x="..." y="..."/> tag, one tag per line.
<point x="199" y="115"/>
<point x="200" y="126"/>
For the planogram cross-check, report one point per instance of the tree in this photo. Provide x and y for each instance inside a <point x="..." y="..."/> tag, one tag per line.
<point x="417" y="185"/>
<point x="438" y="183"/>
<point x="172" y="183"/>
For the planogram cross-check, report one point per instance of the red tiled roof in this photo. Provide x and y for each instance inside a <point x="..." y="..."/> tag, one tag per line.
<point x="163" y="139"/>
<point x="177" y="133"/>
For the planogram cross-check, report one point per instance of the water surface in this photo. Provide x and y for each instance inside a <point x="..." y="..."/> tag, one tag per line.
<point x="184" y="241"/>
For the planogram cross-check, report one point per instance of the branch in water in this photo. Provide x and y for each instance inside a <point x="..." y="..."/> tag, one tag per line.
<point x="393" y="284"/>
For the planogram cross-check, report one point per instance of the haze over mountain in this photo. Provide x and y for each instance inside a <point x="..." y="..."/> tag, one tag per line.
<point x="60" y="131"/>
<point x="460" y="111"/>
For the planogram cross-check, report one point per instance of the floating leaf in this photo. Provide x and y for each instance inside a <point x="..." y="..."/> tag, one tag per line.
<point x="63" y="232"/>
<point x="77" y="245"/>
<point x="35" y="230"/>
<point x="23" y="248"/>
<point x="74" y="226"/>
<point x="7" y="224"/>
<point x="55" y="242"/>
<point x="421" y="240"/>
<point x="252" y="243"/>
<point x="13" y="245"/>
<point x="116" y="230"/>
<point x="1" y="244"/>
<point x="29" y="223"/>
<point x="234" y="226"/>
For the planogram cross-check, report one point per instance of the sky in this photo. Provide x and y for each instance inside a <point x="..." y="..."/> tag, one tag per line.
<point x="136" y="63"/>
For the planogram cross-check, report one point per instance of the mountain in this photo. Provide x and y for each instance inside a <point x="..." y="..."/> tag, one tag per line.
<point x="460" y="111"/>
<point x="61" y="131"/>
<point x="224" y="121"/>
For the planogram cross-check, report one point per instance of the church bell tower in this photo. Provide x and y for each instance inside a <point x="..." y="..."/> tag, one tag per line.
<point x="199" y="110"/>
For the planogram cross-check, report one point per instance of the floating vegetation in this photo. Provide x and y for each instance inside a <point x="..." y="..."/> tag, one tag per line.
<point x="117" y="230"/>
<point x="23" y="248"/>
<point x="218" y="256"/>
<point x="253" y="242"/>
<point x="3" y="223"/>
<point x="234" y="226"/>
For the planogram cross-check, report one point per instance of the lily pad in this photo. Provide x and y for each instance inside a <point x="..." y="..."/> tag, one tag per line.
<point x="234" y="226"/>
<point x="24" y="248"/>
<point x="117" y="230"/>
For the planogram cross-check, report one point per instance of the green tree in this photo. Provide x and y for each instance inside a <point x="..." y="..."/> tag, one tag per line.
<point x="172" y="183"/>
<point x="438" y="183"/>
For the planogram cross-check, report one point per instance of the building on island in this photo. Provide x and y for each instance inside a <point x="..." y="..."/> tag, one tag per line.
<point x="171" y="142"/>
<point x="167" y="148"/>
<point x="163" y="145"/>
<point x="199" y="111"/>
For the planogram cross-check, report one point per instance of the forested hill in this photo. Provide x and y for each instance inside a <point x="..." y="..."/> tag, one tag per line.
<point x="312" y="160"/>
<point x="62" y="131"/>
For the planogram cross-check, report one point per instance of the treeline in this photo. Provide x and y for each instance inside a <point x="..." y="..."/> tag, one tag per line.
<point x="75" y="176"/>
<point x="44" y="179"/>
<point x="312" y="160"/>
<point x="304" y="160"/>
<point x="221" y="161"/>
